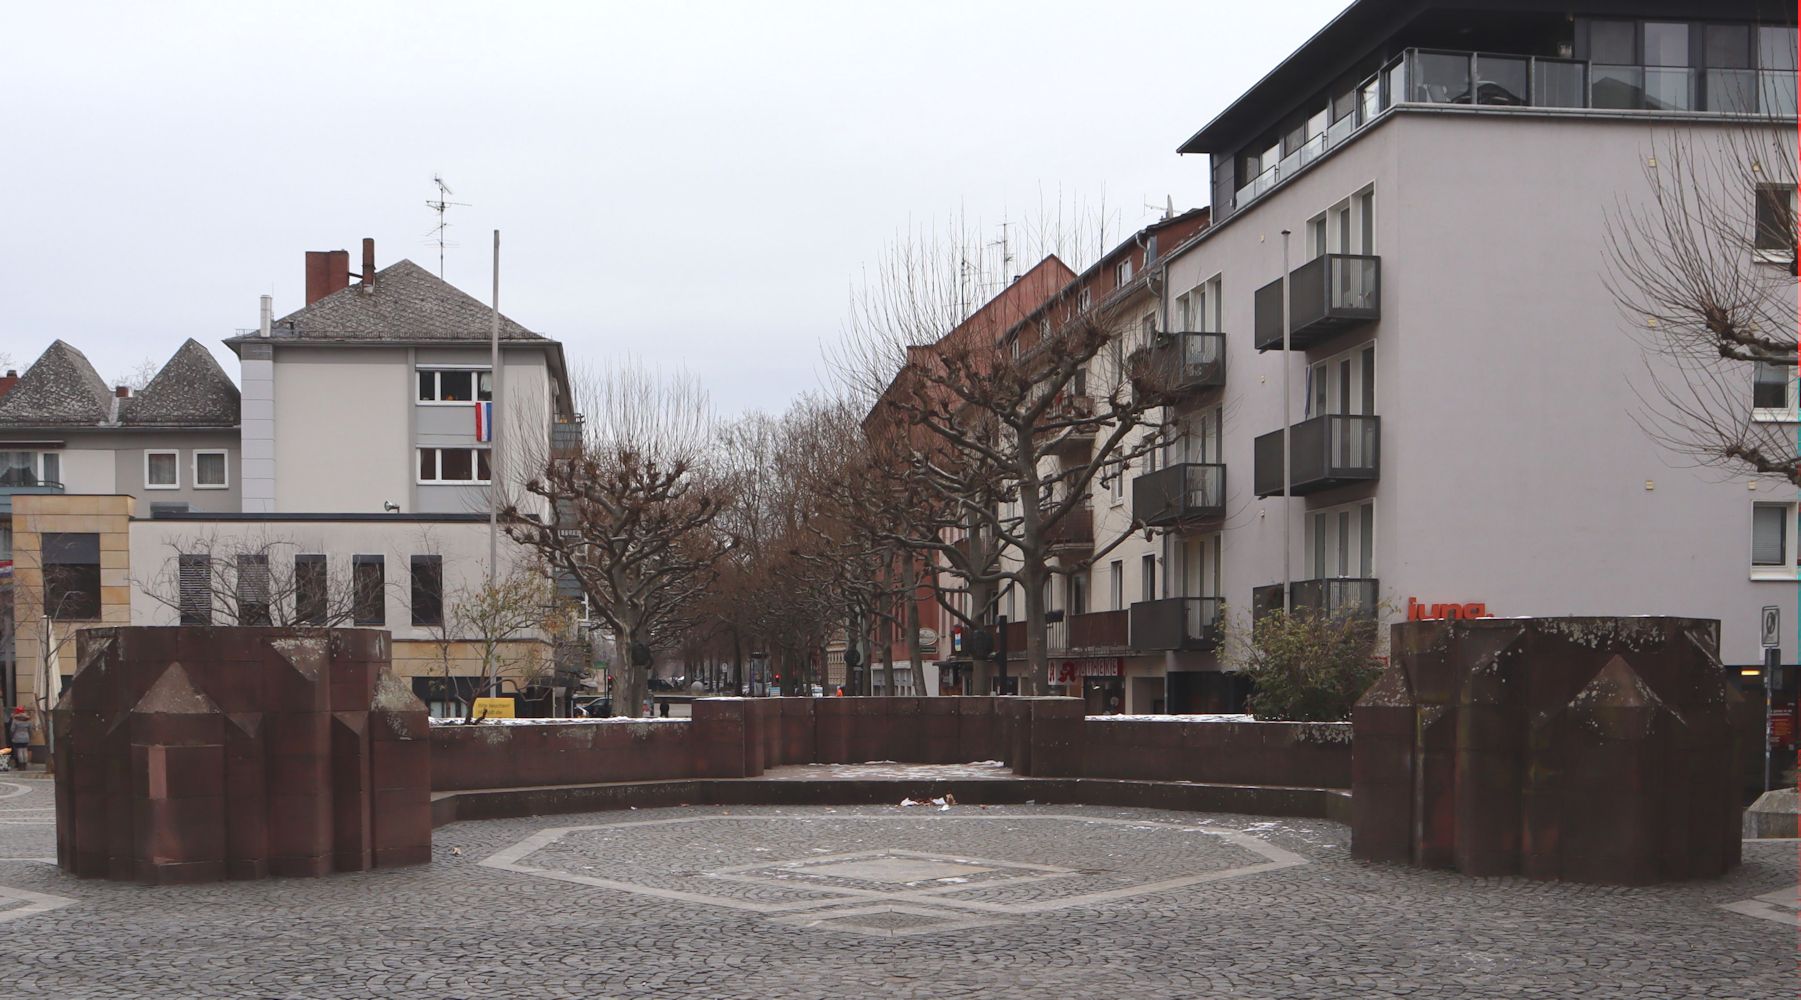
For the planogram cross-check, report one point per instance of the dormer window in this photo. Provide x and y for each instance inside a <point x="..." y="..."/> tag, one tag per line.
<point x="455" y="385"/>
<point x="1123" y="272"/>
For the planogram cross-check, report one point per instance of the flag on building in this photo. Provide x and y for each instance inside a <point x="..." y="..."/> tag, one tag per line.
<point x="484" y="421"/>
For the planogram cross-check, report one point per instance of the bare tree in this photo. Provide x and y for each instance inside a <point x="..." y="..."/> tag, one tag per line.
<point x="632" y="516"/>
<point x="981" y="411"/>
<point x="139" y="375"/>
<point x="1702" y="263"/>
<point x="493" y="618"/>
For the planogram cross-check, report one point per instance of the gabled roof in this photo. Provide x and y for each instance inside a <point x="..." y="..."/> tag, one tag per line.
<point x="406" y="304"/>
<point x="191" y="390"/>
<point x="60" y="387"/>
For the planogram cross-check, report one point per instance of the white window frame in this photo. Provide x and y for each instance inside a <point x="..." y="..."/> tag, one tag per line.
<point x="438" y="465"/>
<point x="1353" y="553"/>
<point x="1117" y="581"/>
<point x="1083" y="299"/>
<point x="1785" y="415"/>
<point x="172" y="453"/>
<point x="1320" y="371"/>
<point x="225" y="464"/>
<point x="1116" y="485"/>
<point x="1771" y="256"/>
<point x="1122" y="272"/>
<point x="437" y="383"/>
<point x="1786" y="571"/>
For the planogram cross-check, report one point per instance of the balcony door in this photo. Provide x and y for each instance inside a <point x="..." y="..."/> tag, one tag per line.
<point x="1345" y="385"/>
<point x="1341" y="542"/>
<point x="1194" y="566"/>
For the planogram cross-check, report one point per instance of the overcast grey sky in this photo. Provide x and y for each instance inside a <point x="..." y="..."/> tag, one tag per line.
<point x="696" y="183"/>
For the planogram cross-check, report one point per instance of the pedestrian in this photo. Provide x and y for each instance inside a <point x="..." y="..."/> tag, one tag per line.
<point x="18" y="733"/>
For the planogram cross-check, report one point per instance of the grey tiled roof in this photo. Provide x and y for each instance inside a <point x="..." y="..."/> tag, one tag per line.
<point x="408" y="303"/>
<point x="191" y="390"/>
<point x="60" y="387"/>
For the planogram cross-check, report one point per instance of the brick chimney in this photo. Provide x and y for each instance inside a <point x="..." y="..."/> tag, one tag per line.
<point x="368" y="264"/>
<point x="122" y="391"/>
<point x="327" y="271"/>
<point x="7" y="381"/>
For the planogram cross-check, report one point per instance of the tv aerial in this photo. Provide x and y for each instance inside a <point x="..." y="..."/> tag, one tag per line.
<point x="440" y="205"/>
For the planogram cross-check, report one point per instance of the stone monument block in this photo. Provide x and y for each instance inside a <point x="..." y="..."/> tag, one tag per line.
<point x="199" y="754"/>
<point x="1584" y="749"/>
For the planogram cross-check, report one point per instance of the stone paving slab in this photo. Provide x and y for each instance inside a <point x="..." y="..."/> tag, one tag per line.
<point x="462" y="927"/>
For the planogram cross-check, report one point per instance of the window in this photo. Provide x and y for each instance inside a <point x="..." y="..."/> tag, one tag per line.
<point x="369" y="605"/>
<point x="209" y="470"/>
<point x="428" y="590"/>
<point x="1147" y="330"/>
<point x="194" y="581"/>
<point x="71" y="576"/>
<point x="1774" y="241"/>
<point x="253" y="589"/>
<point x="1773" y="392"/>
<point x="1078" y="594"/>
<point x="30" y="468"/>
<point x="309" y="589"/>
<point x="1118" y="584"/>
<point x="1123" y="272"/>
<point x="1147" y="578"/>
<point x="453" y="465"/>
<point x="1773" y="541"/>
<point x="455" y="385"/>
<point x="1343" y="384"/>
<point x="1366" y="221"/>
<point x="1082" y="300"/>
<point x="1116" y="483"/>
<point x="162" y="470"/>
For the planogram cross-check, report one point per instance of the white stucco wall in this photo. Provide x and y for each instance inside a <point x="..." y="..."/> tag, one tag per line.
<point x="341" y="438"/>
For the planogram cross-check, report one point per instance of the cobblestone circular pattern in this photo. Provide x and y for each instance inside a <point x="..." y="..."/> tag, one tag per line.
<point x="1053" y="902"/>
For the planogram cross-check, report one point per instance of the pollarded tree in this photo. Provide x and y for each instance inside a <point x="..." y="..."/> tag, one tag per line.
<point x="633" y="516"/>
<point x="1702" y="263"/>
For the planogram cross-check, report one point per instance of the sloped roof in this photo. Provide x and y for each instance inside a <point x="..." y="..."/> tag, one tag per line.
<point x="191" y="390"/>
<point x="407" y="303"/>
<point x="60" y="387"/>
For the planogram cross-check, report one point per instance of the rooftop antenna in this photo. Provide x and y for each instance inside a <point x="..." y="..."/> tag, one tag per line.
<point x="439" y="205"/>
<point x="1006" y="255"/>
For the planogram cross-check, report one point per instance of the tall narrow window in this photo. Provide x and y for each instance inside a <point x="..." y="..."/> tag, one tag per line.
<point x="370" y="590"/>
<point x="253" y="589"/>
<point x="1367" y="537"/>
<point x="428" y="590"/>
<point x="1769" y="534"/>
<point x="71" y="576"/>
<point x="1147" y="584"/>
<point x="1117" y="570"/>
<point x="309" y="589"/>
<point x="194" y="579"/>
<point x="1775" y="237"/>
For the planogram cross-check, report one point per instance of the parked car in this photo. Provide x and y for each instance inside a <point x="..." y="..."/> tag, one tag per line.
<point x="595" y="708"/>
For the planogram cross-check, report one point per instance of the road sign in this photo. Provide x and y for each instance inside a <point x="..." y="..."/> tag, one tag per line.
<point x="1772" y="626"/>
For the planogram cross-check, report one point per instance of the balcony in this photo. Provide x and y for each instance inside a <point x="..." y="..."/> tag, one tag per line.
<point x="1178" y="623"/>
<point x="1325" y="452"/>
<point x="1336" y="597"/>
<point x="1190" y="495"/>
<point x="1073" y="440"/>
<point x="1426" y="77"/>
<point x="1327" y="295"/>
<point x="1094" y="630"/>
<point x="1073" y="532"/>
<point x="1180" y="364"/>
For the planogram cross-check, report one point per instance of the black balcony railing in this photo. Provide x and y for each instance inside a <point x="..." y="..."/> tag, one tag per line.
<point x="1335" y="597"/>
<point x="1176" y="364"/>
<point x="1190" y="494"/>
<point x="1327" y="295"/>
<point x="1180" y="623"/>
<point x="1064" y="431"/>
<point x="1326" y="452"/>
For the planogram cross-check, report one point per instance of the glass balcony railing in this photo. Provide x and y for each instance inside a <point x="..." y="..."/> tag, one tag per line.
<point x="1436" y="76"/>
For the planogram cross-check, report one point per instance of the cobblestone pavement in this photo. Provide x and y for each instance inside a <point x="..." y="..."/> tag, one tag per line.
<point x="877" y="902"/>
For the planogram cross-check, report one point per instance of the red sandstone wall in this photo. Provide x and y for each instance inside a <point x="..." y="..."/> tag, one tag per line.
<point x="1285" y="754"/>
<point x="1037" y="737"/>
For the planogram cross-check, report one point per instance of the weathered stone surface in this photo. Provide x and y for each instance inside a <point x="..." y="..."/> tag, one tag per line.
<point x="1580" y="749"/>
<point x="199" y="754"/>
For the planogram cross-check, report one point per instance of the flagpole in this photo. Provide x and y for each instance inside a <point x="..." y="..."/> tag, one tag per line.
<point x="494" y="466"/>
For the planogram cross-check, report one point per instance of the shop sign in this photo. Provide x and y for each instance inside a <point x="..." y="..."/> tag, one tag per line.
<point x="493" y="708"/>
<point x="1071" y="671"/>
<point x="1782" y="726"/>
<point x="1419" y="611"/>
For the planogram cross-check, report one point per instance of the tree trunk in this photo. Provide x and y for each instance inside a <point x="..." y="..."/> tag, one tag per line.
<point x="915" y="652"/>
<point x="634" y="679"/>
<point x="1036" y="678"/>
<point x="737" y="664"/>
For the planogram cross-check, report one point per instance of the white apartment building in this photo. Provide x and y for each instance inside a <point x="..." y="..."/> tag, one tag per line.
<point x="1465" y="397"/>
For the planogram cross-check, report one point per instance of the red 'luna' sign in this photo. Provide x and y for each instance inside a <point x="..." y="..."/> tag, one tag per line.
<point x="1419" y="612"/>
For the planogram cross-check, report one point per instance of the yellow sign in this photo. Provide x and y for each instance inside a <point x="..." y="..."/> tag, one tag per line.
<point x="493" y="708"/>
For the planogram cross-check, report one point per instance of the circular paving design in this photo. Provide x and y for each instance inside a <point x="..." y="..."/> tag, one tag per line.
<point x="917" y="902"/>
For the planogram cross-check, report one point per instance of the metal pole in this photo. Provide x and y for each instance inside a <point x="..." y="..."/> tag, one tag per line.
<point x="1287" y="460"/>
<point x="1771" y="659"/>
<point x="494" y="467"/>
